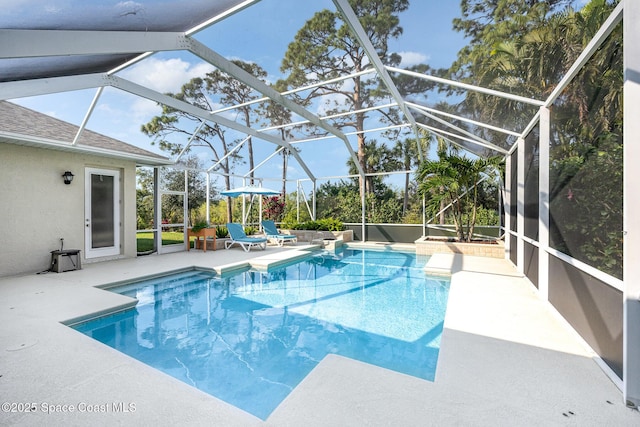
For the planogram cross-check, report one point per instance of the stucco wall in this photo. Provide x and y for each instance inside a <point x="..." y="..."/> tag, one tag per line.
<point x="37" y="208"/>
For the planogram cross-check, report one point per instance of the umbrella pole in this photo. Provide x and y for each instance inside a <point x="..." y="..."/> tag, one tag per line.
<point x="260" y="214"/>
<point x="244" y="210"/>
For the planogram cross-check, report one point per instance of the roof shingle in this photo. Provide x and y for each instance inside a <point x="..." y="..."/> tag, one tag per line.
<point x="24" y="121"/>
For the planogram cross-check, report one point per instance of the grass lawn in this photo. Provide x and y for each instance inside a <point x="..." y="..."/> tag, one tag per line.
<point x="145" y="240"/>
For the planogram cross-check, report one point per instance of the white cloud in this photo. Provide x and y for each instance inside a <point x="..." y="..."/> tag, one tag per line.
<point x="142" y="109"/>
<point x="165" y="75"/>
<point x="412" y="58"/>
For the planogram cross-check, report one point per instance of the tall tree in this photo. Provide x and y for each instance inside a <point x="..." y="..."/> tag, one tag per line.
<point x="279" y="116"/>
<point x="406" y="151"/>
<point x="176" y="123"/>
<point x="233" y="92"/>
<point x="324" y="48"/>
<point x="215" y="87"/>
<point x="378" y="158"/>
<point x="494" y="28"/>
<point x="526" y="48"/>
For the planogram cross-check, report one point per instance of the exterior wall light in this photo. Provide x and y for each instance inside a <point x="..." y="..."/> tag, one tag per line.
<point x="68" y="177"/>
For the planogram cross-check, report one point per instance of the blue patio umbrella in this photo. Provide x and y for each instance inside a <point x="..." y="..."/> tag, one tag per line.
<point x="253" y="191"/>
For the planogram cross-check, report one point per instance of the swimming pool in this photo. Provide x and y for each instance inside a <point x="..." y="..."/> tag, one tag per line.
<point x="249" y="338"/>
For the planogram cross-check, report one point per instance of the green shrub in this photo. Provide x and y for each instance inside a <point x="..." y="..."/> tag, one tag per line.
<point x="327" y="224"/>
<point x="221" y="232"/>
<point x="199" y="226"/>
<point x="250" y="229"/>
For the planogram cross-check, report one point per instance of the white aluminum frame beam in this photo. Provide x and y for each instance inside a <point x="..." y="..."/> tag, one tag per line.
<point x="300" y="89"/>
<point x="474" y="139"/>
<point x="587" y="53"/>
<point x="631" y="209"/>
<point x="534" y="121"/>
<point x="469" y="87"/>
<point x="269" y="157"/>
<point x="233" y="150"/>
<point x="87" y="115"/>
<point x="186" y="147"/>
<point x="463" y="119"/>
<point x="35" y="87"/>
<point x="544" y="209"/>
<point x="356" y="27"/>
<point x="333" y="116"/>
<point x="223" y="64"/>
<point x="320" y="138"/>
<point x="223" y="15"/>
<point x="44" y="43"/>
<point x="445" y="135"/>
<point x="520" y="205"/>
<point x="144" y="92"/>
<point x="508" y="218"/>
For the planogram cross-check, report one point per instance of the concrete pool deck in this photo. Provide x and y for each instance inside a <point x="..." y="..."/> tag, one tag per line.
<point x="506" y="358"/>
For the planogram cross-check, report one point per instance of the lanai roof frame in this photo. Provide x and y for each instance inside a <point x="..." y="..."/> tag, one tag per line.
<point x="89" y="70"/>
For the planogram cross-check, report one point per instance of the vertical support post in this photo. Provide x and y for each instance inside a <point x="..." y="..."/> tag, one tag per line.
<point x="314" y="200"/>
<point x="298" y="200"/>
<point x="631" y="212"/>
<point x="507" y="206"/>
<point x="520" y="205"/>
<point x="244" y="203"/>
<point x="363" y="201"/>
<point x="543" y="203"/>
<point x="424" y="215"/>
<point x="185" y="206"/>
<point x="157" y="211"/>
<point x="500" y="204"/>
<point x="208" y="196"/>
<point x="260" y="212"/>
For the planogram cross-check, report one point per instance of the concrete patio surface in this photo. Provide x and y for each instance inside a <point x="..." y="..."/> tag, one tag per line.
<point x="506" y="358"/>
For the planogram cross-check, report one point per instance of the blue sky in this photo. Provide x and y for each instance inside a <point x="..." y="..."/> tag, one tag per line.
<point x="260" y="34"/>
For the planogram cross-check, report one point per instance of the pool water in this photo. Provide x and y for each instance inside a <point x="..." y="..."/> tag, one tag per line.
<point x="251" y="337"/>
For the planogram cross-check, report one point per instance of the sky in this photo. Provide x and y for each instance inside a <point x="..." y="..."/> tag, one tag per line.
<point x="261" y="34"/>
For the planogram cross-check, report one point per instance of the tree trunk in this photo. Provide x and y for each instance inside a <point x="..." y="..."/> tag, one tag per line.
<point x="247" y="122"/>
<point x="250" y="149"/>
<point x="474" y="208"/>
<point x="285" y="156"/>
<point x="365" y="186"/>
<point x="227" y="183"/>
<point x="457" y="217"/>
<point x="405" y="202"/>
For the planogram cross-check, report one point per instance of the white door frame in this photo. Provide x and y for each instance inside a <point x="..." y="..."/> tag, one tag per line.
<point x="90" y="251"/>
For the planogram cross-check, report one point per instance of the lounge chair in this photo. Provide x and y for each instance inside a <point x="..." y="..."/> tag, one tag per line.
<point x="273" y="234"/>
<point x="237" y="235"/>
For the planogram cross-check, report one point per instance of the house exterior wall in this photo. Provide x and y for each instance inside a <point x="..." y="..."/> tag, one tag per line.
<point x="37" y="208"/>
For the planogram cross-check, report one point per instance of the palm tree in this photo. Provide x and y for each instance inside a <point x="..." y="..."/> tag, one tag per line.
<point x="453" y="180"/>
<point x="406" y="152"/>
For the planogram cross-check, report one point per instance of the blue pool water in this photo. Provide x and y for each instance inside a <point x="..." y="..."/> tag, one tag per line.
<point x="251" y="337"/>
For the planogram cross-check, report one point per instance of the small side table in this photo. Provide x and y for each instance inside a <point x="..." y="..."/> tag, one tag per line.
<point x="204" y="233"/>
<point x="72" y="254"/>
